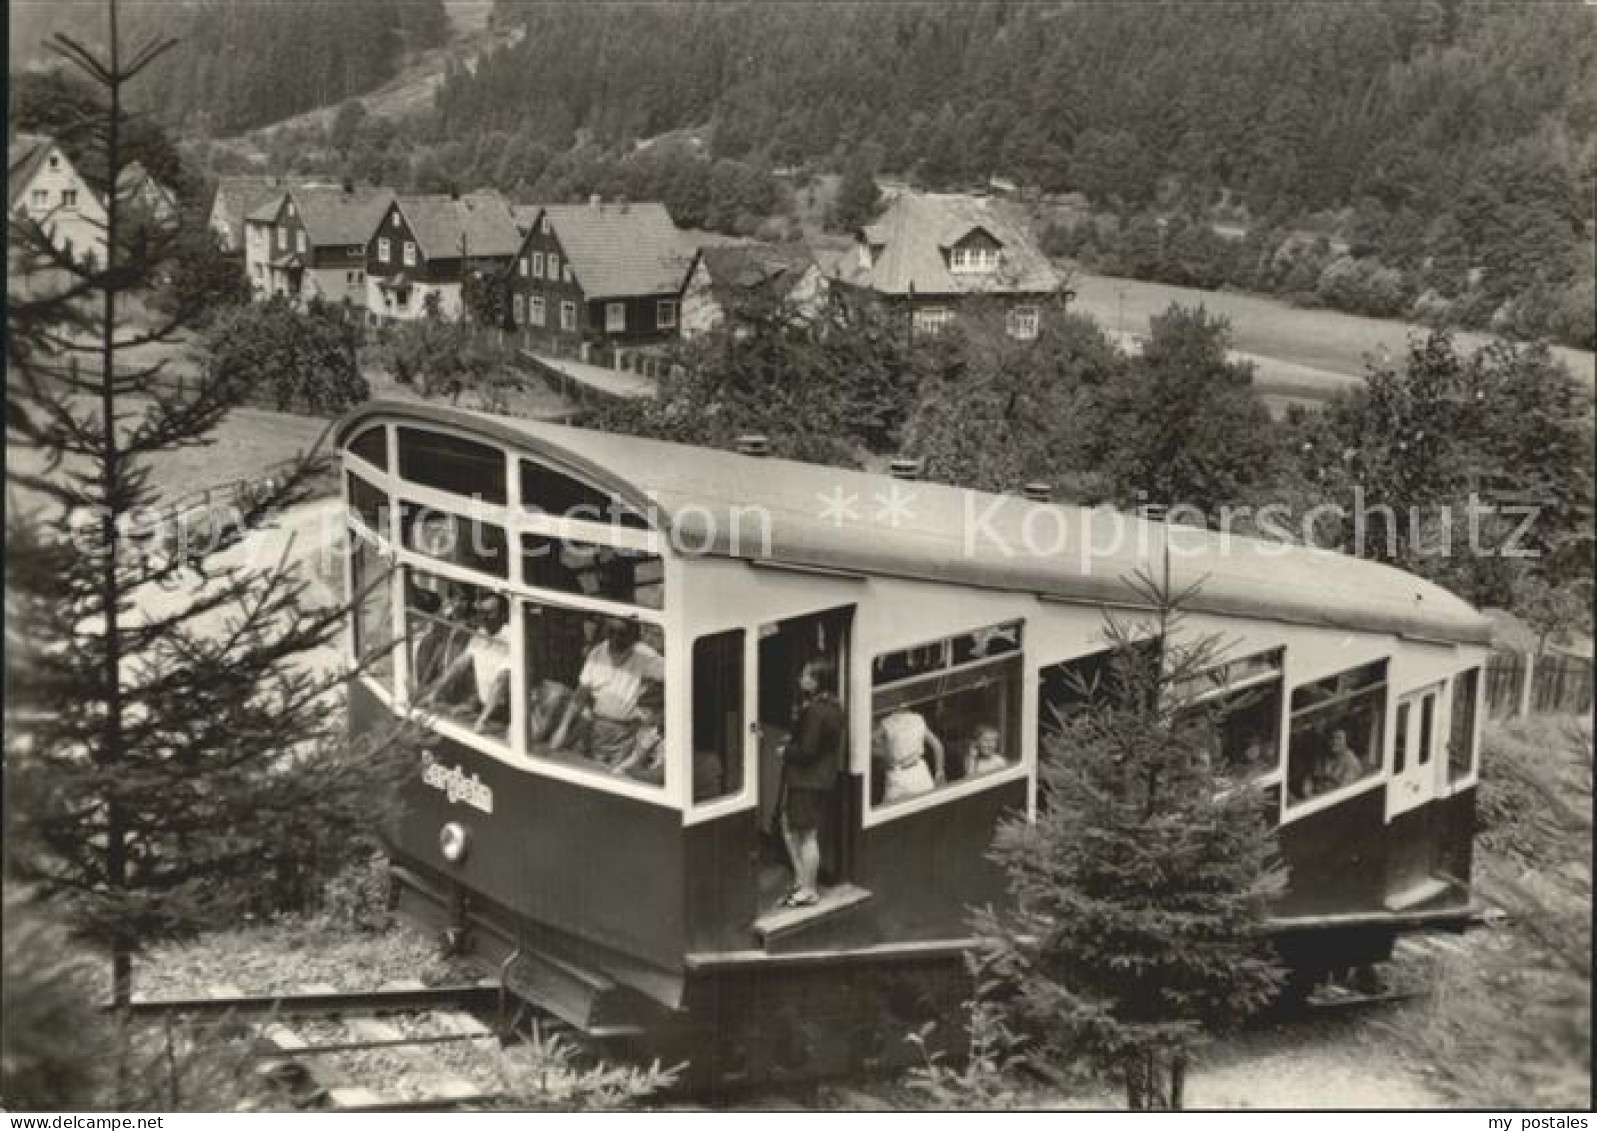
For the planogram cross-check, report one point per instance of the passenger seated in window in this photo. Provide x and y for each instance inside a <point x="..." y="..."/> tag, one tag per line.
<point x="546" y="702"/>
<point x="444" y="633"/>
<point x="1340" y="766"/>
<point x="487" y="657"/>
<point x="646" y="762"/>
<point x="986" y="752"/>
<point x="906" y="739"/>
<point x="613" y="680"/>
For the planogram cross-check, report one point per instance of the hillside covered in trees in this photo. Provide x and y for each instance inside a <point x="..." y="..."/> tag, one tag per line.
<point x="243" y="63"/>
<point x="1450" y="141"/>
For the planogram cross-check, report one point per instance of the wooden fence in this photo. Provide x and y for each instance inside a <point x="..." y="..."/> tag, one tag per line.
<point x="1557" y="684"/>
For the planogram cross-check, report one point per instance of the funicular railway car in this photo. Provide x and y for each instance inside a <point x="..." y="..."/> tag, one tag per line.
<point x="605" y="831"/>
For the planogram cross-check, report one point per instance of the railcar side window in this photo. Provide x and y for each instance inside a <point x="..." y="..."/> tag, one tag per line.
<point x="951" y="714"/>
<point x="553" y="492"/>
<point x="1461" y="728"/>
<point x="371" y="578"/>
<point x="1244" y="701"/>
<point x="1336" y="732"/>
<point x="449" y="463"/>
<point x="370" y="503"/>
<point x="458" y="647"/>
<point x="718" y="715"/>
<point x="595" y="691"/>
<point x="455" y="539"/>
<point x="612" y="573"/>
<point x="372" y="446"/>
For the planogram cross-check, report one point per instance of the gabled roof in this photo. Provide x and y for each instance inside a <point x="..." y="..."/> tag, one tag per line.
<point x="775" y="510"/>
<point x="441" y="223"/>
<point x="25" y="153"/>
<point x="621" y="250"/>
<point x="333" y="215"/>
<point x="135" y="181"/>
<point x="241" y="196"/>
<point x="737" y="269"/>
<point x="915" y="233"/>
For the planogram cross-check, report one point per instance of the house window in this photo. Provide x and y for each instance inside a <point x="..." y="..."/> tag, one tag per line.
<point x="568" y="315"/>
<point x="537" y="265"/>
<point x="393" y="220"/>
<point x="665" y="313"/>
<point x="523" y="267"/>
<point x="1023" y="322"/>
<point x="535" y="310"/>
<point x="973" y="260"/>
<point x="1335" y="739"/>
<point x="945" y="712"/>
<point x="55" y="161"/>
<point x="615" y="317"/>
<point x="931" y="319"/>
<point x="299" y="242"/>
<point x="520" y="309"/>
<point x="40" y="197"/>
<point x="410" y="254"/>
<point x="69" y="198"/>
<point x="290" y="208"/>
<point x="382" y="249"/>
<point x="554" y="268"/>
<point x="282" y="239"/>
<point x="567" y="273"/>
<point x="546" y="228"/>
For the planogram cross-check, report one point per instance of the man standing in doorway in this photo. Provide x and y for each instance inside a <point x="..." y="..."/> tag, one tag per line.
<point x="810" y="765"/>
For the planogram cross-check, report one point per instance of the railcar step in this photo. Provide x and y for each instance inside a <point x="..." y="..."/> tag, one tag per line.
<point x="1420" y="893"/>
<point x="833" y="901"/>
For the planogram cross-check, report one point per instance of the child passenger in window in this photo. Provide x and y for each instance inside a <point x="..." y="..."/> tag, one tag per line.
<point x="986" y="752"/>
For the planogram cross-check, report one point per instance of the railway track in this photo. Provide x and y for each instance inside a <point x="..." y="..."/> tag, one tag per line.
<point x="403" y="1047"/>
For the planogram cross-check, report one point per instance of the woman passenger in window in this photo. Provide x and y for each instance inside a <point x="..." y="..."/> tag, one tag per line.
<point x="811" y="761"/>
<point x="612" y="682"/>
<point x="905" y="741"/>
<point x="1340" y="767"/>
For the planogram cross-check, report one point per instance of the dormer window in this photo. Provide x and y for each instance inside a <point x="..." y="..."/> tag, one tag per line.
<point x="973" y="260"/>
<point x="55" y="161"/>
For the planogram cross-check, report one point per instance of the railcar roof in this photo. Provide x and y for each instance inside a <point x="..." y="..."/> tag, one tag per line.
<point x="715" y="502"/>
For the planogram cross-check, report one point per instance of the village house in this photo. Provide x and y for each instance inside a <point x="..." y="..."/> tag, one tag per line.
<point x="145" y="196"/>
<point x="235" y="199"/>
<point x="310" y="242"/>
<point x="428" y="245"/>
<point x="734" y="276"/>
<point x="934" y="255"/>
<point x="45" y="187"/>
<point x="599" y="272"/>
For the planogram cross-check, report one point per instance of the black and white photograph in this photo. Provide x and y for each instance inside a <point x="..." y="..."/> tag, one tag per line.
<point x="847" y="556"/>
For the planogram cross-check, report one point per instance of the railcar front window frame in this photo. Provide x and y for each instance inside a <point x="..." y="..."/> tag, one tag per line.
<point x="516" y="589"/>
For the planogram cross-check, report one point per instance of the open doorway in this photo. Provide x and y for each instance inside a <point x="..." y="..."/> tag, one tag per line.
<point x="784" y="648"/>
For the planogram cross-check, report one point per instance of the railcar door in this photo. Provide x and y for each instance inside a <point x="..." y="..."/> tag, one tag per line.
<point x="1416" y="777"/>
<point x="784" y="648"/>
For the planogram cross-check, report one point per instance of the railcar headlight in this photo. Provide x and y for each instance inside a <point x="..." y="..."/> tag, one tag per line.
<point x="453" y="842"/>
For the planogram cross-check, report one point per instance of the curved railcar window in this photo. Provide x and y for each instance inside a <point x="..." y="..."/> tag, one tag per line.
<point x="450" y="463"/>
<point x="372" y="446"/>
<point x="595" y="691"/>
<point x="947" y="720"/>
<point x="1461" y="725"/>
<point x="456" y="539"/>
<point x="553" y="492"/>
<point x="612" y="573"/>
<point x="1243" y="701"/>
<point x="458" y="648"/>
<point x="718" y="715"/>
<point x="370" y="503"/>
<point x="1336" y="732"/>
<point x="371" y="578"/>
